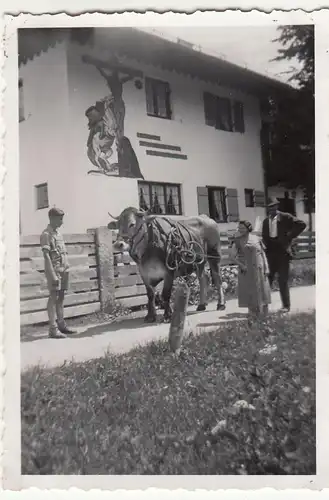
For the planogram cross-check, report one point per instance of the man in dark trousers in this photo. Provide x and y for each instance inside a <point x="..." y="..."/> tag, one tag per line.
<point x="278" y="231"/>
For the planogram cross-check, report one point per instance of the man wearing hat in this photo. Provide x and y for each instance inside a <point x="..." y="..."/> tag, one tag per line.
<point x="278" y="231"/>
<point x="56" y="271"/>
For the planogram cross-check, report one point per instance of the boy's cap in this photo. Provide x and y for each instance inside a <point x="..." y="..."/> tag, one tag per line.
<point x="55" y="212"/>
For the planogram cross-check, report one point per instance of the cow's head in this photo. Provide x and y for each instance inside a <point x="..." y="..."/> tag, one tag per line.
<point x="128" y="224"/>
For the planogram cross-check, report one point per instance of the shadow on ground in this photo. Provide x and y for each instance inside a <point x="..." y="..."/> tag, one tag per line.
<point x="234" y="317"/>
<point x="91" y="330"/>
<point x="127" y="324"/>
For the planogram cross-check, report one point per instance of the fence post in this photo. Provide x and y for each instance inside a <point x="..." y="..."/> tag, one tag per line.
<point x="105" y="258"/>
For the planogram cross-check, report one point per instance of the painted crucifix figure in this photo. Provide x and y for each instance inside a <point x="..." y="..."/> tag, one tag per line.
<point x="108" y="147"/>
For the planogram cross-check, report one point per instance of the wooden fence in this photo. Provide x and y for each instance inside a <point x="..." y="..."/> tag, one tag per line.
<point x="305" y="245"/>
<point x="83" y="294"/>
<point x="100" y="278"/>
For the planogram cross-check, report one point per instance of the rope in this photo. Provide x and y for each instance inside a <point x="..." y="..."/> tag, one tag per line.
<point x="181" y="251"/>
<point x="178" y="249"/>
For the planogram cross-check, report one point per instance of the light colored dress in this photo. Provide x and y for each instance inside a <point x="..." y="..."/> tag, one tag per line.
<point x="254" y="289"/>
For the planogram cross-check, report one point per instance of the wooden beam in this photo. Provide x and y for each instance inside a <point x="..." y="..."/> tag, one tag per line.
<point x="36" y="292"/>
<point x="29" y="306"/>
<point x="69" y="312"/>
<point x="68" y="238"/>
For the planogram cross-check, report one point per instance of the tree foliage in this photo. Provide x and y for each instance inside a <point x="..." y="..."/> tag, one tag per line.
<point x="291" y="147"/>
<point x="298" y="44"/>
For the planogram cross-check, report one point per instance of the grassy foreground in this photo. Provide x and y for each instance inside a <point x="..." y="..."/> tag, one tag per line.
<point x="240" y="400"/>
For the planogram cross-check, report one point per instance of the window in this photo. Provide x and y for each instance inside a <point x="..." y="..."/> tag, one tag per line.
<point x="42" y="196"/>
<point x="157" y="98"/>
<point x="160" y="198"/>
<point x="21" y="100"/>
<point x="223" y="114"/>
<point x="219" y="203"/>
<point x="249" y="196"/>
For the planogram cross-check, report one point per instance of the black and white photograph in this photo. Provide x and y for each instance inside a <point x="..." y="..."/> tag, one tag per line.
<point x="166" y="255"/>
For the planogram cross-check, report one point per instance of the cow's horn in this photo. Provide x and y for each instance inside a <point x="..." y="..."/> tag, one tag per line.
<point x="113" y="217"/>
<point x="141" y="212"/>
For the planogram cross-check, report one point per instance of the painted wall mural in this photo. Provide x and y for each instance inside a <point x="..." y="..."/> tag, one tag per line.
<point x="108" y="149"/>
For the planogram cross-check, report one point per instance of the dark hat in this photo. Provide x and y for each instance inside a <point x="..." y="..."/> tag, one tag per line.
<point x="91" y="108"/>
<point x="247" y="225"/>
<point x="55" y="212"/>
<point x="272" y="201"/>
<point x="98" y="106"/>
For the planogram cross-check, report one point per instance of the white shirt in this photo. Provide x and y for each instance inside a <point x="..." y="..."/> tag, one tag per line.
<point x="273" y="227"/>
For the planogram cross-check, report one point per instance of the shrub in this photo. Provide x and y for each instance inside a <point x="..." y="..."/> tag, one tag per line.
<point x="302" y="273"/>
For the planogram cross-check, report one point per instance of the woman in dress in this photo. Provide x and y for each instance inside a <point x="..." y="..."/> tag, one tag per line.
<point x="253" y="285"/>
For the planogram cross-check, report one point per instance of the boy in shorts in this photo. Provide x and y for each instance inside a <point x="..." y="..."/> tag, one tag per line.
<point x="57" y="273"/>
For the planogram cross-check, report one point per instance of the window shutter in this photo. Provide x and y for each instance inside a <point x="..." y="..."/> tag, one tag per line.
<point x="149" y="96"/>
<point x="21" y="100"/>
<point x="232" y="205"/>
<point x="238" y="113"/>
<point x="203" y="201"/>
<point x="209" y="101"/>
<point x="259" y="199"/>
<point x="168" y="101"/>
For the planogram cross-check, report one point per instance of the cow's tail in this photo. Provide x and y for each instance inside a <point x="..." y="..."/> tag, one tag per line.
<point x="214" y="257"/>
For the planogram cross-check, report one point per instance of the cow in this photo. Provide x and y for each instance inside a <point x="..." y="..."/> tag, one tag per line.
<point x="166" y="247"/>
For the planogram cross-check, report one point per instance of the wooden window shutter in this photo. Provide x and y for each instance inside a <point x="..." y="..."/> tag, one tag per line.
<point x="238" y="113"/>
<point x="203" y="201"/>
<point x="209" y="101"/>
<point x="232" y="205"/>
<point x="149" y="94"/>
<point x="259" y="199"/>
<point x="21" y="100"/>
<point x="168" y="100"/>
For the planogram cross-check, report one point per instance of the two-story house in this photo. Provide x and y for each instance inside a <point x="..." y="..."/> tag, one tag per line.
<point x="116" y="117"/>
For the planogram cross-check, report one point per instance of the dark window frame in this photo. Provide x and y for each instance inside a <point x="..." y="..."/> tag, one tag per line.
<point x="41" y="206"/>
<point x="211" y="191"/>
<point x="165" y="185"/>
<point x="21" y="110"/>
<point x="150" y="84"/>
<point x="212" y="105"/>
<point x="251" y="192"/>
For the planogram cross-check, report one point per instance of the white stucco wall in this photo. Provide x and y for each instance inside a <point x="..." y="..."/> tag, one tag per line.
<point x="42" y="136"/>
<point x="57" y="100"/>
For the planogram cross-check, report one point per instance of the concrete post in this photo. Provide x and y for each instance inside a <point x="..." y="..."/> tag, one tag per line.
<point x="176" y="330"/>
<point x="105" y="258"/>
